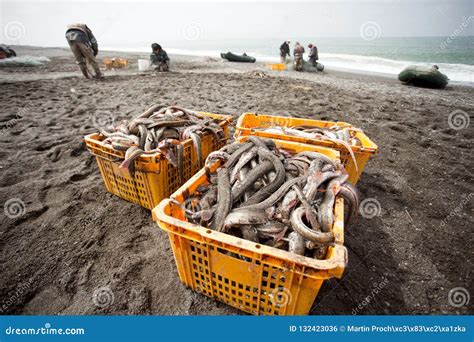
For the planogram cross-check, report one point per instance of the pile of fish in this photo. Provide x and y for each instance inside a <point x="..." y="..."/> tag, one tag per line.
<point x="266" y="195"/>
<point x="160" y="129"/>
<point x="342" y="135"/>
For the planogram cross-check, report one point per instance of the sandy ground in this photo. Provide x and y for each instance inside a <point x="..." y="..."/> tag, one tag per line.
<point x="74" y="238"/>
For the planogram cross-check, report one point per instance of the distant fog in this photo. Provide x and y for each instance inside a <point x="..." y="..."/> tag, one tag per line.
<point x="122" y="23"/>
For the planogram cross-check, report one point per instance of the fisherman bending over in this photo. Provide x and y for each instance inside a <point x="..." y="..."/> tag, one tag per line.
<point x="159" y="58"/>
<point x="313" y="55"/>
<point x="84" y="47"/>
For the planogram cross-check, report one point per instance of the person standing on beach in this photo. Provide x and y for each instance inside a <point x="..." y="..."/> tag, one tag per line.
<point x="84" y="47"/>
<point x="313" y="55"/>
<point x="159" y="58"/>
<point x="284" y="51"/>
<point x="298" y="52"/>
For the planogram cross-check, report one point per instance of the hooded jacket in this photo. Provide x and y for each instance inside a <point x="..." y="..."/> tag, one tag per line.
<point x="159" y="57"/>
<point x="81" y="33"/>
<point x="299" y="49"/>
<point x="313" y="53"/>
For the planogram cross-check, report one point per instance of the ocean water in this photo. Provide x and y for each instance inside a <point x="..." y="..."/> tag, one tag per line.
<point x="387" y="55"/>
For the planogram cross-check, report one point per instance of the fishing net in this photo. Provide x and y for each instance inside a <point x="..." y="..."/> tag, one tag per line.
<point x="31" y="61"/>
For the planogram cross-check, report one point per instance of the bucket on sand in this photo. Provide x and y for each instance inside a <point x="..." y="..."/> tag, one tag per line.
<point x="143" y="64"/>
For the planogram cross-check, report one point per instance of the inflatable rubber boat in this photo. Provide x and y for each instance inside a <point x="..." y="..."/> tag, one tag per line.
<point x="429" y="77"/>
<point x="238" y="58"/>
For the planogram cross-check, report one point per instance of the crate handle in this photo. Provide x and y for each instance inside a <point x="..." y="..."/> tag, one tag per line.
<point x="230" y="254"/>
<point x="107" y="159"/>
<point x="120" y="159"/>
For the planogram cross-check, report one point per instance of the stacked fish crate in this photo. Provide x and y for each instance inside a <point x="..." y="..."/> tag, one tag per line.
<point x="146" y="159"/>
<point x="273" y="264"/>
<point x="355" y="147"/>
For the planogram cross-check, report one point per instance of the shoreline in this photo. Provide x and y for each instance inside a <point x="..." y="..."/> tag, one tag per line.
<point x="62" y="52"/>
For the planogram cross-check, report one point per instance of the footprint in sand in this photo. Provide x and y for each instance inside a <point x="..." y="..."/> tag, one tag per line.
<point x="77" y="151"/>
<point x="79" y="176"/>
<point x="397" y="128"/>
<point x="84" y="273"/>
<point x="54" y="155"/>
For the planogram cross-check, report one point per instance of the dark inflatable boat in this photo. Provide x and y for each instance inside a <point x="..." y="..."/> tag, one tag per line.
<point x="428" y="77"/>
<point x="231" y="57"/>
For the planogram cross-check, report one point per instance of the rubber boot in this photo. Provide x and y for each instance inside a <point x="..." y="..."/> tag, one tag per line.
<point x="84" y="71"/>
<point x="98" y="73"/>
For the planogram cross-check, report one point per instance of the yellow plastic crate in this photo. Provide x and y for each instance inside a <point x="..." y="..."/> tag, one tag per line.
<point x="276" y="66"/>
<point x="248" y="123"/>
<point x="154" y="178"/>
<point x="254" y="278"/>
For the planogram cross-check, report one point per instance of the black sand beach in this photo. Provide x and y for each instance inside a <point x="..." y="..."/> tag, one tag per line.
<point x="75" y="238"/>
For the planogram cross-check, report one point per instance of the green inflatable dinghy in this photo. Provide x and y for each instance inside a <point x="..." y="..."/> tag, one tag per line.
<point x="423" y="77"/>
<point x="238" y="58"/>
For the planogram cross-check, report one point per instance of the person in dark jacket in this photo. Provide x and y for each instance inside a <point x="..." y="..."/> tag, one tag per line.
<point x="284" y="51"/>
<point x="84" y="47"/>
<point x="313" y="55"/>
<point x="159" y="58"/>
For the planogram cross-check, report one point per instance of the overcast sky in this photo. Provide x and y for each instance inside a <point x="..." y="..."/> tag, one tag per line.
<point x="119" y="23"/>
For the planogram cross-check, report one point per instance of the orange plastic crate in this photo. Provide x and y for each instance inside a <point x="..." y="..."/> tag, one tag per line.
<point x="115" y="63"/>
<point x="154" y="178"/>
<point x="276" y="66"/>
<point x="254" y="278"/>
<point x="249" y="123"/>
